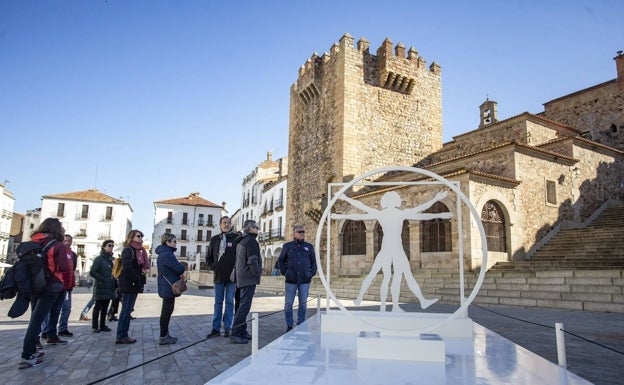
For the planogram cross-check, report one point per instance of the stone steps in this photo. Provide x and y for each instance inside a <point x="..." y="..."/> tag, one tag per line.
<point x="593" y="290"/>
<point x="598" y="246"/>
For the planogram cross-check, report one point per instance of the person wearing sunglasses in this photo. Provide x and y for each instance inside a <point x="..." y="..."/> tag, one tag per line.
<point x="297" y="263"/>
<point x="103" y="287"/>
<point x="130" y="282"/>
<point x="246" y="274"/>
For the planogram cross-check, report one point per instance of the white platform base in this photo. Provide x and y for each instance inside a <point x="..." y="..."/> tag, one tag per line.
<point x="402" y="348"/>
<point x="396" y="324"/>
<point x="306" y="356"/>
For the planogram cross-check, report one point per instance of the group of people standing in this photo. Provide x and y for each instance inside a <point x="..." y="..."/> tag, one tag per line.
<point x="53" y="302"/>
<point x="233" y="257"/>
<point x="130" y="282"/>
<point x="127" y="285"/>
<point x="235" y="261"/>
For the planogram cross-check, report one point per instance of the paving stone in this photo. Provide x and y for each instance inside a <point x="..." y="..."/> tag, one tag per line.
<point x="90" y="357"/>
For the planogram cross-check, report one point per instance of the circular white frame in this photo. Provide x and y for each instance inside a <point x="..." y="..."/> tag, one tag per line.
<point x="464" y="305"/>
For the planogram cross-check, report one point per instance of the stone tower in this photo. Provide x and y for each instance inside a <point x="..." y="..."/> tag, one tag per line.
<point x="351" y="112"/>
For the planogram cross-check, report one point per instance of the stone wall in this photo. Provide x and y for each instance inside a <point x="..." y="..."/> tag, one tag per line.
<point x="597" y="111"/>
<point x="352" y="111"/>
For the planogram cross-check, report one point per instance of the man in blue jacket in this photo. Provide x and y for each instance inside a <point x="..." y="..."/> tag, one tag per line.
<point x="297" y="263"/>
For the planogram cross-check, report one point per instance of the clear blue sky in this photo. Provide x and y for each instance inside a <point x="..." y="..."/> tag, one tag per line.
<point x="151" y="100"/>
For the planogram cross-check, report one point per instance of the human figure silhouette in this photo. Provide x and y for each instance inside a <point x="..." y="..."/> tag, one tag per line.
<point x="391" y="254"/>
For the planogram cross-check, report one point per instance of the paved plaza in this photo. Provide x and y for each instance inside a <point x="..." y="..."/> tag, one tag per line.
<point x="95" y="358"/>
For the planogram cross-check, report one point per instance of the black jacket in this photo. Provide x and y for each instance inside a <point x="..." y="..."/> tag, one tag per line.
<point x="101" y="271"/>
<point x="131" y="278"/>
<point x="248" y="268"/>
<point x="222" y="267"/>
<point x="297" y="262"/>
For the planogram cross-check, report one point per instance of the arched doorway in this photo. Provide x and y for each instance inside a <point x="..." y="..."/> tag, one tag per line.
<point x="495" y="227"/>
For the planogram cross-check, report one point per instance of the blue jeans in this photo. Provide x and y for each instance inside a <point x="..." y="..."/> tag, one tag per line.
<point x="239" y="327"/>
<point x="40" y="307"/>
<point x="302" y="289"/>
<point x="65" y="310"/>
<point x="52" y="320"/>
<point x="88" y="307"/>
<point x="223" y="291"/>
<point x="127" y="305"/>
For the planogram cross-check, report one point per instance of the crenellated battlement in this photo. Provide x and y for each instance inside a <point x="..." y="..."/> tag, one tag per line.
<point x="355" y="108"/>
<point x="393" y="67"/>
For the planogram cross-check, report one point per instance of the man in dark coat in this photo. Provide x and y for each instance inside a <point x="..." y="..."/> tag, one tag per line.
<point x="246" y="274"/>
<point x="221" y="259"/>
<point x="297" y="263"/>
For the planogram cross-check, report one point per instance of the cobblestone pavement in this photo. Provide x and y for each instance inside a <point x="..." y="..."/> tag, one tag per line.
<point x="95" y="358"/>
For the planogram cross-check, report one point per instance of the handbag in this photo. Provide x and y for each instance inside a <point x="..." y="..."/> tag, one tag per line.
<point x="178" y="287"/>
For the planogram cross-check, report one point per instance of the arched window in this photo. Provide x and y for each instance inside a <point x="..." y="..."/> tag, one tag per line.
<point x="494" y="225"/>
<point x="378" y="238"/>
<point x="354" y="238"/>
<point x="436" y="233"/>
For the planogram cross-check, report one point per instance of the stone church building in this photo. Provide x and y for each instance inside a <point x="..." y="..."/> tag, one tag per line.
<point x="353" y="111"/>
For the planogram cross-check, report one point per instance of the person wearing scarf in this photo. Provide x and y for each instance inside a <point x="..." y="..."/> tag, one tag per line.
<point x="131" y="280"/>
<point x="220" y="259"/>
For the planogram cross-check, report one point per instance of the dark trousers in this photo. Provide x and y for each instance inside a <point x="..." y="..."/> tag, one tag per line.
<point x="55" y="312"/>
<point x="165" y="315"/>
<point x="40" y="307"/>
<point x="114" y="307"/>
<point x="236" y="299"/>
<point x="99" y="313"/>
<point x="239" y="326"/>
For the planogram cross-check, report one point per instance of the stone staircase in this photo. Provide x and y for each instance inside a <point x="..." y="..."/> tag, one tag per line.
<point x="592" y="290"/>
<point x="579" y="269"/>
<point x="599" y="246"/>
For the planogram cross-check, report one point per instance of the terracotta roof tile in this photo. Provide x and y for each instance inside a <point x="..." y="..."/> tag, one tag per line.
<point x="92" y="195"/>
<point x="192" y="199"/>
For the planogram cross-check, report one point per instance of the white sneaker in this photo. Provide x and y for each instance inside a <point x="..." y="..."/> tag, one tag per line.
<point x="25" y="364"/>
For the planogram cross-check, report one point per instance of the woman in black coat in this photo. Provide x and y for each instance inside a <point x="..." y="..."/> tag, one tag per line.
<point x="104" y="285"/>
<point x="134" y="261"/>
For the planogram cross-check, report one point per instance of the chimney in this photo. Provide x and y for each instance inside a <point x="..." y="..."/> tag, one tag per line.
<point x="619" y="64"/>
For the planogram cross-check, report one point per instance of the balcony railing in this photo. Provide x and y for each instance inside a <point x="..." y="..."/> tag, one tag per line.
<point x="106" y="218"/>
<point x="82" y="216"/>
<point x="275" y="234"/>
<point x="81" y="234"/>
<point x="103" y="236"/>
<point x="279" y="203"/>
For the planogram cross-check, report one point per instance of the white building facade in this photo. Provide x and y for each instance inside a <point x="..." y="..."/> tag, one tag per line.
<point x="90" y="217"/>
<point x="193" y="220"/>
<point x="273" y="231"/>
<point x="7" y="202"/>
<point x="264" y="200"/>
